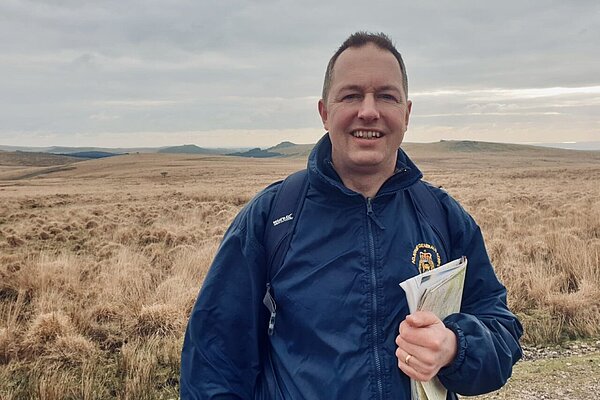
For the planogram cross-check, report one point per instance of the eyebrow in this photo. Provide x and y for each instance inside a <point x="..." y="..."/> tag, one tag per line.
<point x="389" y="87"/>
<point x="379" y="89"/>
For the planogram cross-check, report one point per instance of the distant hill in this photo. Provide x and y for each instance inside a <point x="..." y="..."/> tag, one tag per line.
<point x="283" y="145"/>
<point x="191" y="149"/>
<point x="470" y="146"/>
<point x="34" y="159"/>
<point x="289" y="149"/>
<point x="110" y="150"/>
<point x="92" y="154"/>
<point x="476" y="146"/>
<point x="430" y="157"/>
<point x="473" y="147"/>
<point x="79" y="150"/>
<point x="22" y="148"/>
<point x="256" y="153"/>
<point x="293" y="150"/>
<point x="185" y="149"/>
<point x="443" y="148"/>
<point x="70" y="150"/>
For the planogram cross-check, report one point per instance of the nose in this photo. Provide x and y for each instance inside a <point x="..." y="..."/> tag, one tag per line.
<point x="368" y="109"/>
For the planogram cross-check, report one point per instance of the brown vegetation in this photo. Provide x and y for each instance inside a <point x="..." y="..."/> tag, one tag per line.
<point x="100" y="265"/>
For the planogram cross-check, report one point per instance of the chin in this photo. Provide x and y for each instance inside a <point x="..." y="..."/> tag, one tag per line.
<point x="368" y="161"/>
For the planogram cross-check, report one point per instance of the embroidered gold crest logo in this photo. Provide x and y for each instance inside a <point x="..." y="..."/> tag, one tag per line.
<point x="425" y="262"/>
<point x="427" y="257"/>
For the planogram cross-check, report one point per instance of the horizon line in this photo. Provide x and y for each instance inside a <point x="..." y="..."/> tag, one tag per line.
<point x="532" y="143"/>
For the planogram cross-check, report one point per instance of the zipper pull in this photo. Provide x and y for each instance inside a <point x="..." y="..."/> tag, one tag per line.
<point x="269" y="302"/>
<point x="372" y="215"/>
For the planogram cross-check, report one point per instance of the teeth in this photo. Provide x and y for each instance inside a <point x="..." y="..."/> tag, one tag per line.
<point x="366" y="134"/>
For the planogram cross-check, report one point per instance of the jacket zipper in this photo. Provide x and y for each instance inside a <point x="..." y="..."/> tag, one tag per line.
<point x="371" y="217"/>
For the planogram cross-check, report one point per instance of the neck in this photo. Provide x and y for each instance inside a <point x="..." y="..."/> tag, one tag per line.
<point x="364" y="182"/>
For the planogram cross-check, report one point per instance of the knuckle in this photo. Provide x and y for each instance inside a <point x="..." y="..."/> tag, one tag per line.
<point x="402" y="327"/>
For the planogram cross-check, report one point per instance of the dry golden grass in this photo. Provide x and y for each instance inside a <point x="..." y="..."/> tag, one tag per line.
<point x="542" y="229"/>
<point x="100" y="265"/>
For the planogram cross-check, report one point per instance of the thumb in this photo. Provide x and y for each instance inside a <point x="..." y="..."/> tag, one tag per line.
<point x="420" y="319"/>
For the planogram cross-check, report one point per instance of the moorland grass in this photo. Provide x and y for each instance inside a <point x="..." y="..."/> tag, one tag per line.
<point x="100" y="265"/>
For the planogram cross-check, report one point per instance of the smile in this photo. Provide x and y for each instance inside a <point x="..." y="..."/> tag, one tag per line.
<point x="366" y="134"/>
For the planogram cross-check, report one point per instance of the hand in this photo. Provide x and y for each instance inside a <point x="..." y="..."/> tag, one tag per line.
<point x="429" y="343"/>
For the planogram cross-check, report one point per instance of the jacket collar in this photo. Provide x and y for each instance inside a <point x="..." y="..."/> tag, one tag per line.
<point x="323" y="176"/>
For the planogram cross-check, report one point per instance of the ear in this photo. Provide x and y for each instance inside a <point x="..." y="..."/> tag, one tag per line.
<point x="323" y="114"/>
<point x="408" y="110"/>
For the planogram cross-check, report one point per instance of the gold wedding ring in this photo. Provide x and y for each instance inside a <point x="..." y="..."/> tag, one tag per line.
<point x="407" y="359"/>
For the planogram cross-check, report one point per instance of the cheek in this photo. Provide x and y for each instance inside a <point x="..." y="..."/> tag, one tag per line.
<point x="399" y="129"/>
<point x="341" y="114"/>
<point x="341" y="120"/>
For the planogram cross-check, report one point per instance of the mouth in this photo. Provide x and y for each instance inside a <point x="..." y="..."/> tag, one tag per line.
<point x="366" y="134"/>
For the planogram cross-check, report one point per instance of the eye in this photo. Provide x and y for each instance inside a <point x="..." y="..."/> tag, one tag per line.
<point x="351" y="97"/>
<point x="388" y="97"/>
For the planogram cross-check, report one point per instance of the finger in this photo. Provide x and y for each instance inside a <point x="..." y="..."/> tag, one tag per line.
<point x="421" y="319"/>
<point x="408" y="346"/>
<point x="421" y="355"/>
<point x="411" y="366"/>
<point x="412" y="339"/>
<point x="414" y="372"/>
<point x="405" y="358"/>
<point x="427" y="359"/>
<point x="412" y="324"/>
<point x="414" y="335"/>
<point x="414" y="367"/>
<point x="404" y="327"/>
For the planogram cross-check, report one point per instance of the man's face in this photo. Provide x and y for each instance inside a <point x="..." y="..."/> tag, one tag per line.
<point x="366" y="112"/>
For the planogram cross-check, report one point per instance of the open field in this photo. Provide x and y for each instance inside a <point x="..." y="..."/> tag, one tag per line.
<point x="101" y="260"/>
<point x="562" y="374"/>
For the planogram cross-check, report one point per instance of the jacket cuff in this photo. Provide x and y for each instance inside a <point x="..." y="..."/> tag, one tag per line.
<point x="461" y="349"/>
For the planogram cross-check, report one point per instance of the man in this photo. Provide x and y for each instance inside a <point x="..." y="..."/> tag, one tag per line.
<point x="342" y="328"/>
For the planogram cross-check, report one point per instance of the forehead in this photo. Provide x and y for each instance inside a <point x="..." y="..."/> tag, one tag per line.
<point x="367" y="65"/>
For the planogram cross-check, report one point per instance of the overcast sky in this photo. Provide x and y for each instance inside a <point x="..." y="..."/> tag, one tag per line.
<point x="249" y="73"/>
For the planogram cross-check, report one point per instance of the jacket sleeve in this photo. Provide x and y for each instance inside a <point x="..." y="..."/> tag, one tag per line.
<point x="487" y="332"/>
<point x="221" y="355"/>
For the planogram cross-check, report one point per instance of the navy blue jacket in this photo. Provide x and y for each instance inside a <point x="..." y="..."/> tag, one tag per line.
<point x="338" y="299"/>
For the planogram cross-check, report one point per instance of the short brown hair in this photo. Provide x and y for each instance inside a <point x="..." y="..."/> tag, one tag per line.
<point x="359" y="39"/>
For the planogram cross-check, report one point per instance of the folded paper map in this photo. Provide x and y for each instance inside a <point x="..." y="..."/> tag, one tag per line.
<point x="439" y="291"/>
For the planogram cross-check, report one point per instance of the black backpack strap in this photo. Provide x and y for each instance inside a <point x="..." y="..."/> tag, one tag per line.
<point x="280" y="227"/>
<point x="282" y="218"/>
<point x="430" y="207"/>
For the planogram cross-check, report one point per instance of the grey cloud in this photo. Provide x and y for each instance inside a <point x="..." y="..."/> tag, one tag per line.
<point x="79" y="66"/>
